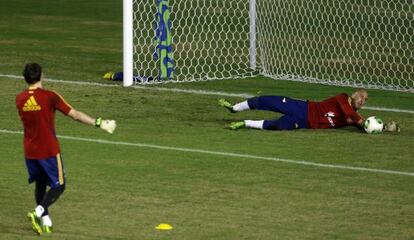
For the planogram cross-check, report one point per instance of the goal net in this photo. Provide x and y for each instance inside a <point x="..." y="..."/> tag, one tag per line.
<point x="340" y="42"/>
<point x="210" y="39"/>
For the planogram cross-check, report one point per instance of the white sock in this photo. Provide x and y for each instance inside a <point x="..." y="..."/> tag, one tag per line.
<point x="46" y="221"/>
<point x="39" y="210"/>
<point x="254" y="124"/>
<point x="238" y="107"/>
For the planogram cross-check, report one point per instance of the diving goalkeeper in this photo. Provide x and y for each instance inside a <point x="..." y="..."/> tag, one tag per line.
<point x="335" y="112"/>
<point x="36" y="107"/>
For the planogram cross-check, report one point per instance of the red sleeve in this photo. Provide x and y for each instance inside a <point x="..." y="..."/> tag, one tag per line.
<point x="345" y="104"/>
<point x="60" y="104"/>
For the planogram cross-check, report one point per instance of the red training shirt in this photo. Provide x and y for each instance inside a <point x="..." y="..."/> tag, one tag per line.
<point x="333" y="112"/>
<point x="37" y="109"/>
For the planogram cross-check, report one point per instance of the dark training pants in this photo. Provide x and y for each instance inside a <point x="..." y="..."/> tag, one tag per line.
<point x="295" y="111"/>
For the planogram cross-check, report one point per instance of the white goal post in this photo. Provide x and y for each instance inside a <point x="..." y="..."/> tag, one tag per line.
<point x="341" y="42"/>
<point x="128" y="47"/>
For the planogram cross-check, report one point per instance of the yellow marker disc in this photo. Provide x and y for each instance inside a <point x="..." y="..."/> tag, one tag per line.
<point x="164" y="226"/>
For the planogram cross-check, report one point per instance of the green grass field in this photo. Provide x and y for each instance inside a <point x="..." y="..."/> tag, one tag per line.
<point x="172" y="160"/>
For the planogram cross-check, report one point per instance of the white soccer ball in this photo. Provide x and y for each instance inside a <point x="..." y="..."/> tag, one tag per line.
<point x="373" y="125"/>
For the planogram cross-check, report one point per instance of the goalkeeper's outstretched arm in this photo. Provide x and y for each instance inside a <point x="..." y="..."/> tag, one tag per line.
<point x="106" y="125"/>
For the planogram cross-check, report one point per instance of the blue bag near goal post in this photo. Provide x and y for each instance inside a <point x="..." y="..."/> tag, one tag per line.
<point x="163" y="39"/>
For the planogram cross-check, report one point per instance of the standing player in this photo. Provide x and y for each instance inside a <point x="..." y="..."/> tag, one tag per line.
<point x="37" y="107"/>
<point x="334" y="112"/>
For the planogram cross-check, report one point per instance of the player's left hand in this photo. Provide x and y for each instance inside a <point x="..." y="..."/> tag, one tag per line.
<point x="391" y="126"/>
<point x="106" y="125"/>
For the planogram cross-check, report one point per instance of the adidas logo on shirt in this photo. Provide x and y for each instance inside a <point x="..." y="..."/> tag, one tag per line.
<point x="31" y="105"/>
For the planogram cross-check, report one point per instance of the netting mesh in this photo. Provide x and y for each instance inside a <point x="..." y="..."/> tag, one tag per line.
<point x="367" y="43"/>
<point x="355" y="43"/>
<point x="210" y="39"/>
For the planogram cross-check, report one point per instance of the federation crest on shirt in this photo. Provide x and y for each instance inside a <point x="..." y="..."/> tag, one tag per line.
<point x="329" y="116"/>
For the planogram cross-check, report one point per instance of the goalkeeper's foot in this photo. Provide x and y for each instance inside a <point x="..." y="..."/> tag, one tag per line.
<point x="35" y="222"/>
<point x="236" y="125"/>
<point x="224" y="103"/>
<point x="108" y="76"/>
<point x="47" y="229"/>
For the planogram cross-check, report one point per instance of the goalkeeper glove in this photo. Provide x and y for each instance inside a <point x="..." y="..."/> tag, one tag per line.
<point x="391" y="126"/>
<point x="106" y="125"/>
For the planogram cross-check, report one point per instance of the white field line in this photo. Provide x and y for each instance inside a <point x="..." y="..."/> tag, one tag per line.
<point x="192" y="91"/>
<point x="226" y="154"/>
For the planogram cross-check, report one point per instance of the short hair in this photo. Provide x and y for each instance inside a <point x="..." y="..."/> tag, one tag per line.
<point x="32" y="73"/>
<point x="359" y="92"/>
